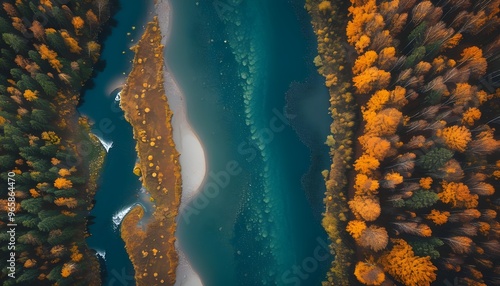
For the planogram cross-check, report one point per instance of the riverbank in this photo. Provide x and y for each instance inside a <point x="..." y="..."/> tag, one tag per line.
<point x="151" y="246"/>
<point x="192" y="155"/>
<point x="332" y="63"/>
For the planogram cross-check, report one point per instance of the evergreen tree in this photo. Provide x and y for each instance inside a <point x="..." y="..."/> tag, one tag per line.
<point x="416" y="56"/>
<point x="40" y="165"/>
<point x="5" y="26"/>
<point x="7" y="104"/>
<point x="435" y="159"/>
<point x="7" y="162"/>
<point x="30" y="221"/>
<point x="48" y="86"/>
<point x="27" y="82"/>
<point x="40" y="116"/>
<point x="56" y="42"/>
<point x="53" y="222"/>
<point x="49" y="150"/>
<point x="16" y="73"/>
<point x="35" y="56"/>
<point x="27" y="276"/>
<point x="416" y="36"/>
<point x="60" y="17"/>
<point x="32" y="205"/>
<point x="426" y="247"/>
<point x="64" y="236"/>
<point x="55" y="273"/>
<point x="17" y="43"/>
<point x="421" y="199"/>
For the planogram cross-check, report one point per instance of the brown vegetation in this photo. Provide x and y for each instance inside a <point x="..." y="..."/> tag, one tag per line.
<point x="151" y="247"/>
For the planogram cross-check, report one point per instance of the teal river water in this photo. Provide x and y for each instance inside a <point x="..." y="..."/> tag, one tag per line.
<point x="118" y="187"/>
<point x="260" y="110"/>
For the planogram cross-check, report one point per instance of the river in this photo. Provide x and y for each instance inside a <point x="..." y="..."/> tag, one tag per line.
<point x="261" y="112"/>
<point x="238" y="62"/>
<point x="118" y="186"/>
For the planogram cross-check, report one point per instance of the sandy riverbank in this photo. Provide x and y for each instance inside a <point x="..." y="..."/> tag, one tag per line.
<point x="192" y="155"/>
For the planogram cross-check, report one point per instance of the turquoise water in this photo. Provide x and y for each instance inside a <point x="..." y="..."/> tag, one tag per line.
<point x="257" y="219"/>
<point x="118" y="186"/>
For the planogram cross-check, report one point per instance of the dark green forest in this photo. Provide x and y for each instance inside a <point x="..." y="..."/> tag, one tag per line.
<point x="48" y="160"/>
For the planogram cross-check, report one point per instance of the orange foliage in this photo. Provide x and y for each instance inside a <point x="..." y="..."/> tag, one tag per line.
<point x="485" y="143"/>
<point x="91" y="18"/>
<point x="422" y="68"/>
<point x="38" y="30"/>
<point x="484" y="228"/>
<point x="62" y="183"/>
<point x="378" y="100"/>
<point x="387" y="58"/>
<point x="47" y="3"/>
<point x="325" y="6"/>
<point x="463" y="93"/>
<point x="355" y="228"/>
<point x="34" y="193"/>
<point x="398" y="97"/>
<point x="76" y="256"/>
<point x="371" y="78"/>
<point x="364" y="62"/>
<point x="369" y="273"/>
<point x="458" y="195"/>
<point x="10" y="9"/>
<point x="474" y="60"/>
<point x="364" y="41"/>
<point x="470" y="116"/>
<point x="55" y="161"/>
<point x="362" y="13"/>
<point x="374" y="237"/>
<point x="64" y="172"/>
<point x="364" y="185"/>
<point x="456" y="137"/>
<point x="67" y="269"/>
<point x="366" y="164"/>
<point x="439" y="64"/>
<point x="407" y="268"/>
<point x="394" y="177"/>
<point x="68" y="202"/>
<point x="459" y="244"/>
<point x="367" y="208"/>
<point x="29" y="263"/>
<point x="421" y="11"/>
<point x="438" y="217"/>
<point x="51" y="136"/>
<point x="30" y="95"/>
<point x="71" y="43"/>
<point x="425" y="183"/>
<point x="93" y="49"/>
<point x="483" y="189"/>
<point x="18" y="24"/>
<point x="50" y="56"/>
<point x="375" y="146"/>
<point x="383" y="123"/>
<point x="453" y="41"/>
<point x="77" y="24"/>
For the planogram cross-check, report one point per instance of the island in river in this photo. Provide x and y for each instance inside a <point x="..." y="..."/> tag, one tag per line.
<point x="410" y="191"/>
<point x="150" y="243"/>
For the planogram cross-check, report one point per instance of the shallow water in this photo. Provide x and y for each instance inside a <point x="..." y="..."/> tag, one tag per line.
<point x="256" y="220"/>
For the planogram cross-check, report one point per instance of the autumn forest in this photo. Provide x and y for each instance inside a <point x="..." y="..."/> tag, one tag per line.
<point x="48" y="50"/>
<point x="414" y="144"/>
<point x="417" y="124"/>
